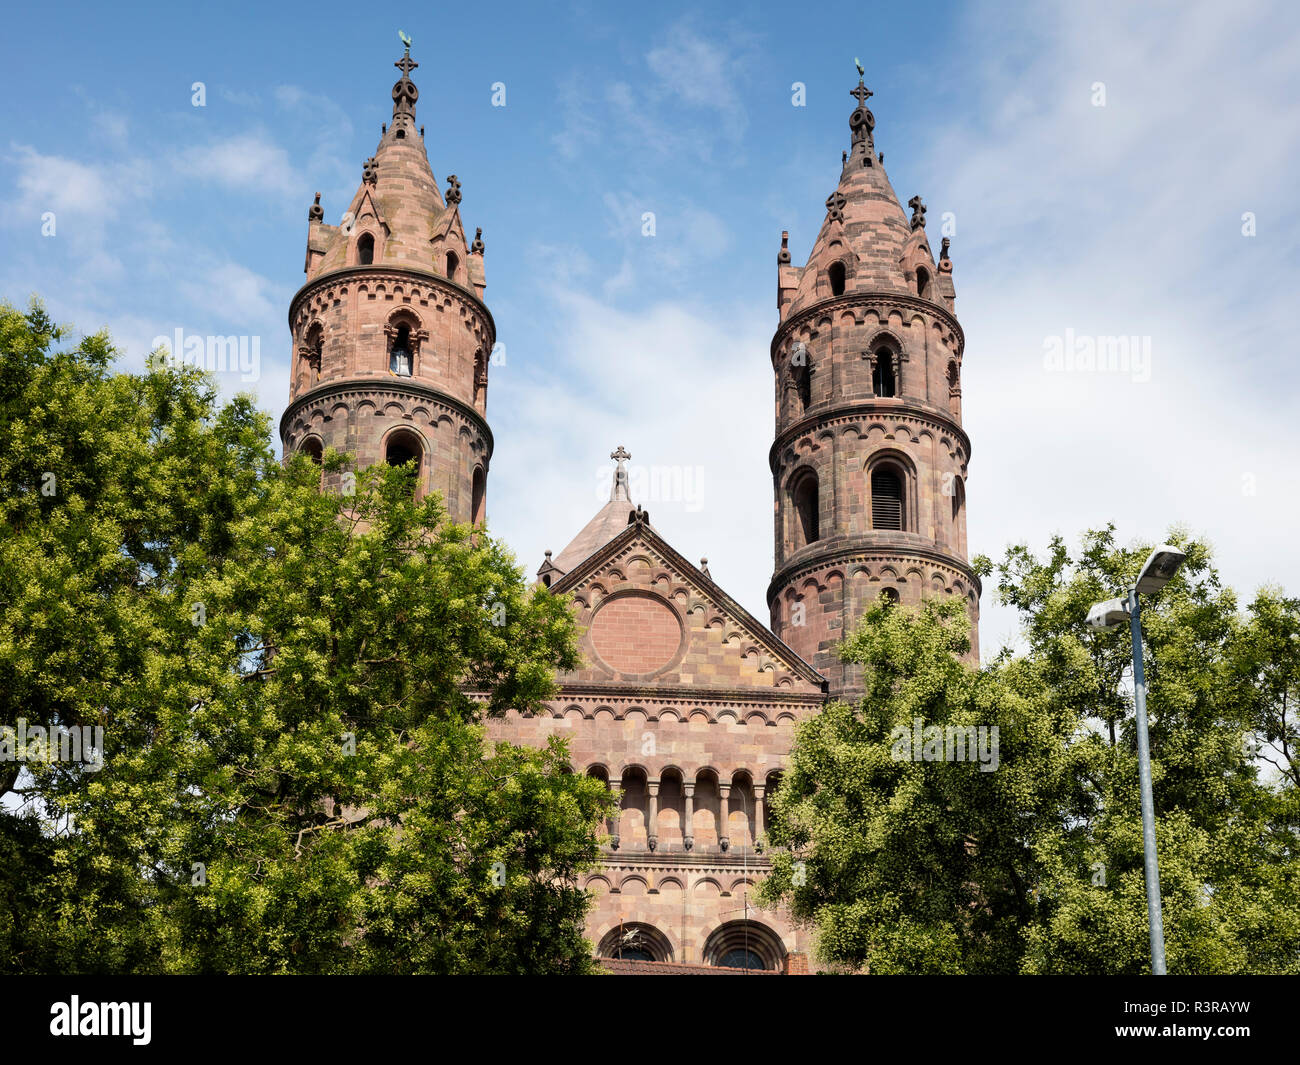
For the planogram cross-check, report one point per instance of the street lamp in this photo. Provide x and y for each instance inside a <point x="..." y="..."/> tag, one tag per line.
<point x="1158" y="570"/>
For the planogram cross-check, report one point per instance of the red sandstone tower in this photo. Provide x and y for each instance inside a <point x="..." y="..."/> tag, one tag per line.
<point x="390" y="332"/>
<point x="869" y="461"/>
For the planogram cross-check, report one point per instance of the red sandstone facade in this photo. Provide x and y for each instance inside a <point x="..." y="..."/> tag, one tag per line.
<point x="869" y="462"/>
<point x="391" y="336"/>
<point x="685" y="705"/>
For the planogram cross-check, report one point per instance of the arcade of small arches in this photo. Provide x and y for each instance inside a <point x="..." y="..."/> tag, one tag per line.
<point x="891" y="579"/>
<point x="737" y="944"/>
<point x="671" y="811"/>
<point x="719" y="715"/>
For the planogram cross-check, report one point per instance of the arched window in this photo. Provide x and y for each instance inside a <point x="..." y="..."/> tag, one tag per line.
<point x="922" y="281"/>
<point x="958" y="506"/>
<point x="399" y="356"/>
<point x="835" y="273"/>
<point x="453" y="262"/>
<point x="740" y="958"/>
<point x="886" y="498"/>
<point x="634" y="941"/>
<point x="803" y="383"/>
<point x="805" y="510"/>
<point x="476" y="507"/>
<point x="882" y="378"/>
<point x="311" y="447"/>
<point x="737" y="944"/>
<point x="890" y="595"/>
<point x="312" y="346"/>
<point x="404" y="447"/>
<point x="365" y="249"/>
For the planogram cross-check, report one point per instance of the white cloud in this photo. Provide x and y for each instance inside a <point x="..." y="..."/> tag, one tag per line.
<point x="1120" y="220"/>
<point x="682" y="388"/>
<point x="246" y="161"/>
<point x="57" y="183"/>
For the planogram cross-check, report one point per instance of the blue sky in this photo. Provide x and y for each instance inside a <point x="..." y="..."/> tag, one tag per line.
<point x="1072" y="219"/>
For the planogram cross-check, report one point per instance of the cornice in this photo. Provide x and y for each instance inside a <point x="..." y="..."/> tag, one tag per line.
<point x="392" y="272"/>
<point x="656" y="861"/>
<point x="867" y="300"/>
<point x="386" y="386"/>
<point x="933" y="417"/>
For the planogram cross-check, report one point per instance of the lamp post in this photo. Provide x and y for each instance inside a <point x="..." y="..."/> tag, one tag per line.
<point x="1159" y="568"/>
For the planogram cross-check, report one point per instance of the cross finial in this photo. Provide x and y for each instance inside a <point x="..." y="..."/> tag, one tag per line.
<point x="620" y="489"/>
<point x="918" y="212"/>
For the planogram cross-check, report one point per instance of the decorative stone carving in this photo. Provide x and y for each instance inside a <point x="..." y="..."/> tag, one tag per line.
<point x="918" y="212"/>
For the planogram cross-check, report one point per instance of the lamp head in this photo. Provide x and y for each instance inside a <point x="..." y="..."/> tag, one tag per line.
<point x="1160" y="567"/>
<point x="1108" y="615"/>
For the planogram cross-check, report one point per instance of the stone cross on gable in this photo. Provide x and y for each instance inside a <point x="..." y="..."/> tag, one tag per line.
<point x="835" y="204"/>
<point x="620" y="489"/>
<point x="862" y="93"/>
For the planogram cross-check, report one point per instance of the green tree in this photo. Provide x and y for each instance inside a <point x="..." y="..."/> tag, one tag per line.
<point x="939" y="866"/>
<point x="292" y="685"/>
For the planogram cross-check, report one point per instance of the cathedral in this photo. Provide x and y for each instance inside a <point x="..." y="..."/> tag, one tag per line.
<point x="686" y="704"/>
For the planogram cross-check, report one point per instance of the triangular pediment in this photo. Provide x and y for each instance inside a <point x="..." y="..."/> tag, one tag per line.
<point x="653" y="619"/>
<point x="364" y="205"/>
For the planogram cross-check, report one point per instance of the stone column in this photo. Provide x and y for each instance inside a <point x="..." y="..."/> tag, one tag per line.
<point x="652" y="822"/>
<point x="724" y="793"/>
<point x="689" y="828"/>
<point x="759" y="791"/>
<point x="616" y="817"/>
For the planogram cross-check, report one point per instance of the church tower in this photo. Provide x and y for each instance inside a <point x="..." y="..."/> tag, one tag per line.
<point x="869" y="461"/>
<point x="391" y="338"/>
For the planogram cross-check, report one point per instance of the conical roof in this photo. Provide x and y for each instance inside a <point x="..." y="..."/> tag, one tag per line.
<point x="865" y="230"/>
<point x="399" y="204"/>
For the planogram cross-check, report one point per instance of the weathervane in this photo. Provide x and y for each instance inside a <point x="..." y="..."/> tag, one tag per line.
<point x="861" y="92"/>
<point x="405" y="64"/>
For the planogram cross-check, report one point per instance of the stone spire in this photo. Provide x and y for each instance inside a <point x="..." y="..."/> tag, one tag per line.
<point x="867" y="241"/>
<point x="398" y="208"/>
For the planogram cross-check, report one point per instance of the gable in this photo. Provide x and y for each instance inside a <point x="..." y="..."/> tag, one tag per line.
<point x="651" y="618"/>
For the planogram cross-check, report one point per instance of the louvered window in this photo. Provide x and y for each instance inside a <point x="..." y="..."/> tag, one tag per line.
<point x="886" y="500"/>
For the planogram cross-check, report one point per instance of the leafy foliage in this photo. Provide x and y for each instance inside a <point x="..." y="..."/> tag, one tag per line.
<point x="938" y="866"/>
<point x="292" y="686"/>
